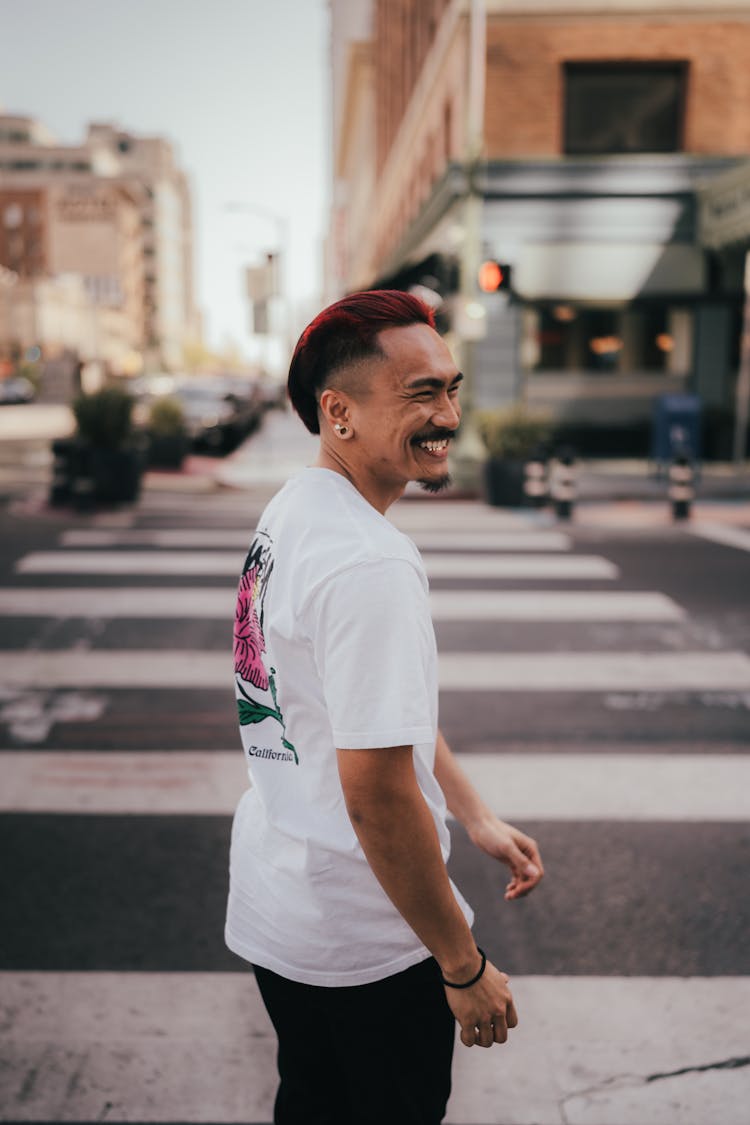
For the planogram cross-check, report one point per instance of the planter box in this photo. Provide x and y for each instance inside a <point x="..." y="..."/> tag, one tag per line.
<point x="503" y="483"/>
<point x="167" y="451"/>
<point x="116" y="474"/>
<point x="83" y="475"/>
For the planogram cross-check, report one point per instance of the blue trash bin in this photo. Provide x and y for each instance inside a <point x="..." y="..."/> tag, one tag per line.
<point x="676" y="428"/>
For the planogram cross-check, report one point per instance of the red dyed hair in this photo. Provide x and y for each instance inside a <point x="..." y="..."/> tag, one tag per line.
<point x="342" y="334"/>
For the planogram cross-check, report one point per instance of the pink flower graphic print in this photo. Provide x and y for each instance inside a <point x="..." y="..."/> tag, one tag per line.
<point x="249" y="644"/>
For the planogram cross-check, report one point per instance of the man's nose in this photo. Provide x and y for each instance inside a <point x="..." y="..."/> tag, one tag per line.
<point x="448" y="414"/>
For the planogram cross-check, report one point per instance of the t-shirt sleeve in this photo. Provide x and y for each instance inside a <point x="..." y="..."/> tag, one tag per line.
<point x="375" y="651"/>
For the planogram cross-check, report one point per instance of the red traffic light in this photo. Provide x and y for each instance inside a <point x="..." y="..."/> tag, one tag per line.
<point x="493" y="276"/>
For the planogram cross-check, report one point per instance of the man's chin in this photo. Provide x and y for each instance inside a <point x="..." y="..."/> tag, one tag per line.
<point x="435" y="484"/>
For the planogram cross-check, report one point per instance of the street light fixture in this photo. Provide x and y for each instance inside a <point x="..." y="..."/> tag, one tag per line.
<point x="281" y="223"/>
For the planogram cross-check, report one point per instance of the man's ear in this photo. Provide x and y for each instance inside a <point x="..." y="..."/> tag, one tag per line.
<point x="334" y="408"/>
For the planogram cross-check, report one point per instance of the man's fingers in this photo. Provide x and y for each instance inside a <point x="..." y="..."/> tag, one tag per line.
<point x="524" y="880"/>
<point x="487" y="1013"/>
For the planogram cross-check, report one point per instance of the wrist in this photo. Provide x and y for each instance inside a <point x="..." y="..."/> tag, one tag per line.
<point x="467" y="982"/>
<point x="458" y="969"/>
<point x="479" y="824"/>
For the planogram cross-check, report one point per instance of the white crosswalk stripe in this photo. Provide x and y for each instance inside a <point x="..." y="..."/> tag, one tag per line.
<point x="469" y="671"/>
<point x="552" y="605"/>
<point x="454" y="516"/>
<point x="239" y="539"/>
<point x="723" y="533"/>
<point x="447" y="605"/>
<point x="229" y="563"/>
<point x="560" y="786"/>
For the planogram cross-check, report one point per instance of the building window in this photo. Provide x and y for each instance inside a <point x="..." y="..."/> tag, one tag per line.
<point x="13" y="216"/>
<point x="624" y="107"/>
<point x="652" y="337"/>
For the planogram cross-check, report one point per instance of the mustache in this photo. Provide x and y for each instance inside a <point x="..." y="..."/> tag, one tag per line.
<point x="434" y="435"/>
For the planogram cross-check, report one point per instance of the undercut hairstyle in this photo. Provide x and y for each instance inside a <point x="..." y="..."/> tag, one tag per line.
<point x="343" y="335"/>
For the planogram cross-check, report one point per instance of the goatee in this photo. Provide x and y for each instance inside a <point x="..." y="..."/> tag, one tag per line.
<point x="435" y="485"/>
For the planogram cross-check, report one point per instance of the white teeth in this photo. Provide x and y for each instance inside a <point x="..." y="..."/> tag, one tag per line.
<point x="434" y="446"/>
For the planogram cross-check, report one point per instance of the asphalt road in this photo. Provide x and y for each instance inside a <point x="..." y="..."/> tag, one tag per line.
<point x="646" y="901"/>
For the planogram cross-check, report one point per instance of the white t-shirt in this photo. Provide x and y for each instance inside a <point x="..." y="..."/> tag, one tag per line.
<point x="334" y="647"/>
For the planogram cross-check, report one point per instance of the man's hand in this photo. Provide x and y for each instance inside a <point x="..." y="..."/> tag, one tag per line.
<point x="500" y="840"/>
<point x="504" y="842"/>
<point x="485" y="1011"/>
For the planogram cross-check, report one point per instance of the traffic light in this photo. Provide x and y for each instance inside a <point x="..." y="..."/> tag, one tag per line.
<point x="493" y="276"/>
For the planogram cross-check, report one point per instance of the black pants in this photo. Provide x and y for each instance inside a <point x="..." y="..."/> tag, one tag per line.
<point x="370" y="1054"/>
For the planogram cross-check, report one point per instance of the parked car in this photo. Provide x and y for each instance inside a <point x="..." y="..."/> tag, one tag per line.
<point x="209" y="416"/>
<point x="219" y="410"/>
<point x="246" y="395"/>
<point x="16" y="389"/>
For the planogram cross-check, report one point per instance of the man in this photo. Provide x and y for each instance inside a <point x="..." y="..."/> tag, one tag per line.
<point x="339" y="894"/>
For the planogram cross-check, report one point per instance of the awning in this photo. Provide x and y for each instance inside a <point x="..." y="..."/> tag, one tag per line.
<point x="608" y="271"/>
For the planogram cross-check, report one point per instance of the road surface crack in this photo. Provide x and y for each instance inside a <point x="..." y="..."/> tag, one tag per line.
<point x="623" y="1081"/>
<point x="726" y="1064"/>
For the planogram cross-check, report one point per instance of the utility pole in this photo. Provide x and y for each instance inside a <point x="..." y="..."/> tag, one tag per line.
<point x="471" y="322"/>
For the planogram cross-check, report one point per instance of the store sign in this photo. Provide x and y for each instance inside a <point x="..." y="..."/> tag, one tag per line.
<point x="87" y="209"/>
<point x="725" y="209"/>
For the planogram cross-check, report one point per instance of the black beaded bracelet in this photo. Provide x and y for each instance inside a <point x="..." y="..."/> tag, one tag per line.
<point x="469" y="983"/>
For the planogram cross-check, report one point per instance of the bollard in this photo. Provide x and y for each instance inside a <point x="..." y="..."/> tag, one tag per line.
<point x="83" y="491"/>
<point x="63" y="471"/>
<point x="563" y="481"/>
<point x="535" y="480"/>
<point x="681" y="490"/>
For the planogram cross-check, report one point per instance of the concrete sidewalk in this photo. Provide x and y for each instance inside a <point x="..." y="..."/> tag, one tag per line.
<point x="619" y="491"/>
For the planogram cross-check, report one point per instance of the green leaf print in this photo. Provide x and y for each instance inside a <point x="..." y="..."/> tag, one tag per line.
<point x="288" y="745"/>
<point x="252" y="712"/>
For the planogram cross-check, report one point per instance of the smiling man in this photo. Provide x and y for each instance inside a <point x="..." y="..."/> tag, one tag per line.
<point x="339" y="893"/>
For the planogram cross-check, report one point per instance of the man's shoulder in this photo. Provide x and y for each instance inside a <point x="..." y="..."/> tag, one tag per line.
<point x="323" y="513"/>
<point x="323" y="529"/>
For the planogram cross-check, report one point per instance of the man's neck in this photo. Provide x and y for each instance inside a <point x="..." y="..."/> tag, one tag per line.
<point x="378" y="493"/>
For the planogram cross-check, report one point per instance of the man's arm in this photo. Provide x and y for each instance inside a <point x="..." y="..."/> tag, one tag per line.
<point x="487" y="831"/>
<point x="399" y="839"/>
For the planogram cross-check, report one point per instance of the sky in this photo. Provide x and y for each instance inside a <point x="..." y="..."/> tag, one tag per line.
<point x="239" y="86"/>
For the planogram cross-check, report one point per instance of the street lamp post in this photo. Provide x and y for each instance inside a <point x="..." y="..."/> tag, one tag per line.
<point x="281" y="224"/>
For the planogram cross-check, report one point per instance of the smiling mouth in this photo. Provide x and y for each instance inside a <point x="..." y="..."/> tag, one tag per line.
<point x="435" y="448"/>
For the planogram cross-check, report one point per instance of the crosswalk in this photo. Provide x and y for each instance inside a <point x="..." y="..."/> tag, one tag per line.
<point x="587" y="708"/>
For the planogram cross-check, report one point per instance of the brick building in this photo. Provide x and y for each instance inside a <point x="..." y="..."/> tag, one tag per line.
<point x="570" y="142"/>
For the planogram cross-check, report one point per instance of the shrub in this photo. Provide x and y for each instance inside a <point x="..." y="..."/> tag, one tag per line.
<point x="105" y="418"/>
<point x="166" y="418"/>
<point x="512" y="433"/>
